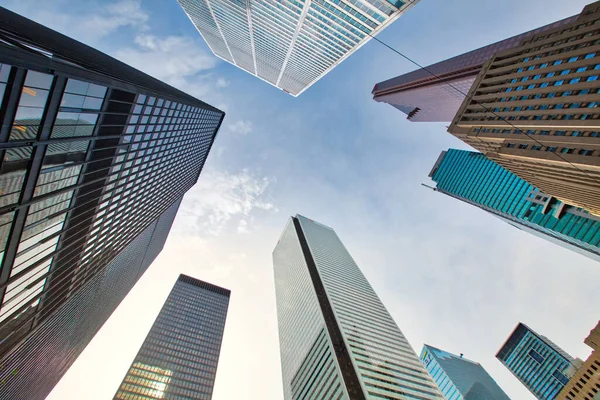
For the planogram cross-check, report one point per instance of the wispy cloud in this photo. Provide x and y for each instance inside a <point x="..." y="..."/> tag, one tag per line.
<point x="223" y="200"/>
<point x="91" y="24"/>
<point x="176" y="60"/>
<point x="241" y="127"/>
<point x="222" y="83"/>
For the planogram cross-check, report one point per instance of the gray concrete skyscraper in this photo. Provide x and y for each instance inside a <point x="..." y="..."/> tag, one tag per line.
<point x="337" y="339"/>
<point x="178" y="359"/>
<point x="290" y="44"/>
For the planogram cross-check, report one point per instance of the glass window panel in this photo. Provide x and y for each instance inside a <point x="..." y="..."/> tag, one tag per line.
<point x="31" y="97"/>
<point x="5" y="225"/>
<point x="38" y="80"/>
<point x="4" y="72"/>
<point x="72" y="100"/>
<point x="96" y="90"/>
<point x="77" y="87"/>
<point x="92" y="103"/>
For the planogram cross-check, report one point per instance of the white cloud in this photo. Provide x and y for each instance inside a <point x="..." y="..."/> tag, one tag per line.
<point x="222" y="83"/>
<point x="172" y="59"/>
<point x="241" y="127"/>
<point x="221" y="200"/>
<point x="98" y="21"/>
<point x="114" y="16"/>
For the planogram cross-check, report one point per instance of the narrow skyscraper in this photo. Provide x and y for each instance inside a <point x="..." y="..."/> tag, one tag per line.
<point x="337" y="340"/>
<point x="290" y="44"/>
<point x="473" y="178"/>
<point x="95" y="157"/>
<point x="178" y="359"/>
<point x="539" y="364"/>
<point x="459" y="378"/>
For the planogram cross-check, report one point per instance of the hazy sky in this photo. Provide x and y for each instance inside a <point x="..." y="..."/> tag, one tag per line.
<point x="451" y="275"/>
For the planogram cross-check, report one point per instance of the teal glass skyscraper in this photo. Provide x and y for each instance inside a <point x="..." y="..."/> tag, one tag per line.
<point x="459" y="378"/>
<point x="475" y="179"/>
<point x="537" y="362"/>
<point x="337" y="340"/>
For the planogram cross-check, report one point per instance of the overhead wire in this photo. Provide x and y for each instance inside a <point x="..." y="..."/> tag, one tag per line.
<point x="470" y="97"/>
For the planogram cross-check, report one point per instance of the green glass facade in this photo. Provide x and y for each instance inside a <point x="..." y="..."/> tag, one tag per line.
<point x="473" y="178"/>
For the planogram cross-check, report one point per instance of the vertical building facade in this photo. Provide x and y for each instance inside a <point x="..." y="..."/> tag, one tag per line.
<point x="435" y="93"/>
<point x="539" y="364"/>
<point x="290" y="44"/>
<point x="459" y="378"/>
<point x="534" y="110"/>
<point x="178" y="359"/>
<point x="473" y="178"/>
<point x="337" y="340"/>
<point x="585" y="383"/>
<point x="93" y="153"/>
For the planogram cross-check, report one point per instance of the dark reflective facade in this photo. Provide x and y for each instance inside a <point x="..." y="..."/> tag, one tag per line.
<point x="92" y="153"/>
<point x="178" y="359"/>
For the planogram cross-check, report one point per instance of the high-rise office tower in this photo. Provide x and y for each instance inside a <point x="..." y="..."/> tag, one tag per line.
<point x="539" y="364"/>
<point x="459" y="378"/>
<point x="534" y="110"/>
<point x="95" y="157"/>
<point x="585" y="383"/>
<point x="473" y="178"/>
<point x="178" y="359"/>
<point x="435" y="93"/>
<point x="290" y="44"/>
<point x="337" y="340"/>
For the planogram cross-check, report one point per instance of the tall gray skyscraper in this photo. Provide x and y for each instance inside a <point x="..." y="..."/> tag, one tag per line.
<point x="178" y="359"/>
<point x="290" y="44"/>
<point x="337" y="340"/>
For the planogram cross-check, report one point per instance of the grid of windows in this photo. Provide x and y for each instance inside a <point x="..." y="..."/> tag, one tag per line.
<point x="35" y="366"/>
<point x="534" y="110"/>
<point x="537" y="362"/>
<point x="92" y="153"/>
<point x="473" y="178"/>
<point x="290" y="44"/>
<point x="179" y="357"/>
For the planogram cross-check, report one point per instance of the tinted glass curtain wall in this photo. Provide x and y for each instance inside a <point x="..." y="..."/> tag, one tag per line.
<point x="475" y="179"/>
<point x="92" y="153"/>
<point x="536" y="362"/>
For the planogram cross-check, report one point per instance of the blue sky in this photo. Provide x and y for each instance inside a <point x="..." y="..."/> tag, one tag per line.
<point x="451" y="275"/>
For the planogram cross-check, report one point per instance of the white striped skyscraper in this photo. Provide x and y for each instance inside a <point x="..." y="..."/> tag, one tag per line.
<point x="337" y="340"/>
<point x="290" y="43"/>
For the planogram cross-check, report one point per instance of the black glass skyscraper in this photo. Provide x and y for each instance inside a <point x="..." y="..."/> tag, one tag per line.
<point x="179" y="357"/>
<point x="95" y="157"/>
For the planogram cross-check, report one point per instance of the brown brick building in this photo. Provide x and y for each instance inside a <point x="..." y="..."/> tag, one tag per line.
<point x="534" y="109"/>
<point x="585" y="384"/>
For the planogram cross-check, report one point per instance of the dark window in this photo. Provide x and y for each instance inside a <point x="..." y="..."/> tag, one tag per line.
<point x="535" y="355"/>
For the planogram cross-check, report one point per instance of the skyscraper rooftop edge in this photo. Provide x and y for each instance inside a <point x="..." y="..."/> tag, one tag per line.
<point x="65" y="50"/>
<point x="451" y="354"/>
<point x="204" y="285"/>
<point x="290" y="45"/>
